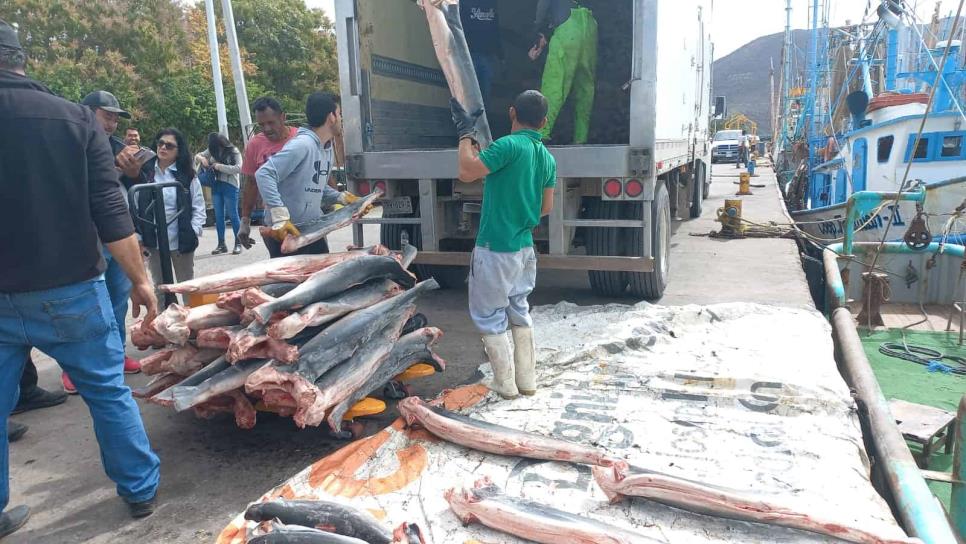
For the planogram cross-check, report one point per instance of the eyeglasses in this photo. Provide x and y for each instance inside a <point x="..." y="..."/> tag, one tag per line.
<point x="167" y="145"/>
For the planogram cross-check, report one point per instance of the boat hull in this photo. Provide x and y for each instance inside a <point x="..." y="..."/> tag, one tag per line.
<point x="827" y="224"/>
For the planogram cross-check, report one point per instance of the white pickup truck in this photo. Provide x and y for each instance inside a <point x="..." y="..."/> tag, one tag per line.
<point x="648" y="153"/>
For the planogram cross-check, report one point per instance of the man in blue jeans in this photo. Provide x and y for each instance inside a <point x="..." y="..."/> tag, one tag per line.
<point x="52" y="294"/>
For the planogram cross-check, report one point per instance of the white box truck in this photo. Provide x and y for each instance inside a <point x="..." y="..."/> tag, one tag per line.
<point x="647" y="158"/>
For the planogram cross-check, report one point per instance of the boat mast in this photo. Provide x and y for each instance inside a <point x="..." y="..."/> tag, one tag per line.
<point x="786" y="74"/>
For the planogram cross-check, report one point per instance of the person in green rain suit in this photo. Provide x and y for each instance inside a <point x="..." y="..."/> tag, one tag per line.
<point x="571" y="61"/>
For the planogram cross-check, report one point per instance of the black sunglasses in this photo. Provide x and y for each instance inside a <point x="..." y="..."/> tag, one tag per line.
<point x="167" y="145"/>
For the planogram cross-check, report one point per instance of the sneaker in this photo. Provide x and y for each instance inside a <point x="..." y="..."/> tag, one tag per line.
<point x="68" y="385"/>
<point x="237" y="250"/>
<point x="131" y="366"/>
<point x="220" y="249"/>
<point x="13" y="519"/>
<point x="15" y="431"/>
<point x="141" y="509"/>
<point x="41" y="398"/>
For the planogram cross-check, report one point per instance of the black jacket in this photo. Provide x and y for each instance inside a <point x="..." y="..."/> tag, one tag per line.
<point x="59" y="189"/>
<point x="144" y="217"/>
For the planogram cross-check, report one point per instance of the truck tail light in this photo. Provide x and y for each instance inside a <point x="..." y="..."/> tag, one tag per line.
<point x="363" y="188"/>
<point x="381" y="185"/>
<point x="633" y="188"/>
<point x="613" y="188"/>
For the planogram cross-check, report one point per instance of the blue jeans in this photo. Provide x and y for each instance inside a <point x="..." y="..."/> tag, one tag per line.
<point x="224" y="196"/>
<point x="119" y="289"/>
<point x="499" y="286"/>
<point x="75" y="325"/>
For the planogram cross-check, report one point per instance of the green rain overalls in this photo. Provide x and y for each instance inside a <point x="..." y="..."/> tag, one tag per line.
<point x="572" y="68"/>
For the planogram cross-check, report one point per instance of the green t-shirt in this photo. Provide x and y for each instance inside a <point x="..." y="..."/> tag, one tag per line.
<point x="520" y="169"/>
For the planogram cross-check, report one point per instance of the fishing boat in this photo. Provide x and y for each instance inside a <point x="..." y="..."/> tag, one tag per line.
<point x="871" y="153"/>
<point x="900" y="139"/>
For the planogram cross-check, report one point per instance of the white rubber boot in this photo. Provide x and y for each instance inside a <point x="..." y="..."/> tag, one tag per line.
<point x="525" y="360"/>
<point x="497" y="348"/>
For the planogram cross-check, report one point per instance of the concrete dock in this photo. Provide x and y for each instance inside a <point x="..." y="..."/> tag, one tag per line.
<point x="211" y="470"/>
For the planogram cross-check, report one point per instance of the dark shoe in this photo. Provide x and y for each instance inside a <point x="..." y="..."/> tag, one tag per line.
<point x="141" y="509"/>
<point x="15" y="431"/>
<point x="220" y="249"/>
<point x="41" y="398"/>
<point x="237" y="250"/>
<point x="13" y="519"/>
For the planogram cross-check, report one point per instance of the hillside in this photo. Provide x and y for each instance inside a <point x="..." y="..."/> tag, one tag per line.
<point x="742" y="76"/>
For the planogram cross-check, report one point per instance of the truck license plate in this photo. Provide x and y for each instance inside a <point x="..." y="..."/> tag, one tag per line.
<point x="397" y="206"/>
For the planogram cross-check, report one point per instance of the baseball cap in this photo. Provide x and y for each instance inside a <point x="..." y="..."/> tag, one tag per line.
<point x="8" y="36"/>
<point x="105" y="101"/>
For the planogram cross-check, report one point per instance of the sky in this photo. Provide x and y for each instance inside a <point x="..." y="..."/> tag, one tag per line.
<point x="737" y="22"/>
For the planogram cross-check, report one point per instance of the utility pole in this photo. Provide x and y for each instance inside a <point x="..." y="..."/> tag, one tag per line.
<point x="241" y="92"/>
<point x="216" y="68"/>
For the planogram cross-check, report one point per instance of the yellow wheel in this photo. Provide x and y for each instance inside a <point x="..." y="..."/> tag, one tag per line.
<point x="365" y="407"/>
<point x="418" y="370"/>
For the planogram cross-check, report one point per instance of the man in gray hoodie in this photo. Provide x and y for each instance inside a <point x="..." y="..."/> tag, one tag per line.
<point x="294" y="182"/>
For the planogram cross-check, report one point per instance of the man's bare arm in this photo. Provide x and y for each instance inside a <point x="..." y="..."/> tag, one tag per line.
<point x="127" y="253"/>
<point x="471" y="168"/>
<point x="547" y="202"/>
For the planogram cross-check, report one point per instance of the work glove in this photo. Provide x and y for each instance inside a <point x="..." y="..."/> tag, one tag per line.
<point x="346" y="198"/>
<point x="282" y="224"/>
<point x="245" y="233"/>
<point x="465" y="122"/>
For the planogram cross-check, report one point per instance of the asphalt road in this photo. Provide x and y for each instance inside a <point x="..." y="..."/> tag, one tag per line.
<point x="211" y="469"/>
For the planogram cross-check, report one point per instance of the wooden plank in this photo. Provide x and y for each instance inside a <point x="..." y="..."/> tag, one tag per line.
<point x="936" y="476"/>
<point x="918" y="422"/>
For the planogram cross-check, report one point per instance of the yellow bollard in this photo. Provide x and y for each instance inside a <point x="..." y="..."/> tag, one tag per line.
<point x="730" y="217"/>
<point x="744" y="186"/>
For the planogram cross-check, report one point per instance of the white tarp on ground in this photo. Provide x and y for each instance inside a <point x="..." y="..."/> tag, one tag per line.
<point x="736" y="395"/>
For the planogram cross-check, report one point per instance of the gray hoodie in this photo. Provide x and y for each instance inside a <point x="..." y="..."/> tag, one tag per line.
<point x="297" y="177"/>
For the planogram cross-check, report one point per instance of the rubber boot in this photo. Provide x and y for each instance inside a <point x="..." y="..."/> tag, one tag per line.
<point x="497" y="348"/>
<point x="525" y="360"/>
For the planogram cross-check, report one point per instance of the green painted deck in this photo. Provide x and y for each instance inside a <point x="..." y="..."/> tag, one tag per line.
<point x="900" y="379"/>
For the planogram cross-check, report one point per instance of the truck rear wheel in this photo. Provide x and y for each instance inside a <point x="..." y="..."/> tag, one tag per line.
<point x="605" y="242"/>
<point x="705" y="179"/>
<point x="651" y="285"/>
<point x="697" y="192"/>
<point x="391" y="236"/>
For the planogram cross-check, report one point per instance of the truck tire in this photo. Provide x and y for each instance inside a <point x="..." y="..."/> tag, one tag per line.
<point x="651" y="285"/>
<point x="605" y="242"/>
<point x="706" y="179"/>
<point x="697" y="193"/>
<point x="449" y="277"/>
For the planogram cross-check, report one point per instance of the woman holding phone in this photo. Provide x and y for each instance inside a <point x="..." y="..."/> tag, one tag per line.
<point x="174" y="164"/>
<point x="225" y="162"/>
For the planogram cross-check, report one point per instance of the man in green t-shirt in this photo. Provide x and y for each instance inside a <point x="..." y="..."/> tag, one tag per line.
<point x="520" y="175"/>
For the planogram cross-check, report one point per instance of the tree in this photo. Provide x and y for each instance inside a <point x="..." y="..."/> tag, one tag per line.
<point x="153" y="55"/>
<point x="293" y="47"/>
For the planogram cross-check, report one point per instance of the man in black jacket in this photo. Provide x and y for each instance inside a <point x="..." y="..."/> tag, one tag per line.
<point x="58" y="180"/>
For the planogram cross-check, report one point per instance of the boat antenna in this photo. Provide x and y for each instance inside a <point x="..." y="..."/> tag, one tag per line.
<point x="922" y="126"/>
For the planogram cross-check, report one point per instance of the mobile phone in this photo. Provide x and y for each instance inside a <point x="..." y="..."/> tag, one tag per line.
<point x="143" y="155"/>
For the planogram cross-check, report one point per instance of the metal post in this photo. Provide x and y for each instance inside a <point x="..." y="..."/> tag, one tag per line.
<point x="957" y="504"/>
<point x="216" y="68"/>
<point x="241" y="92"/>
<point x="160" y="224"/>
<point x="892" y="59"/>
